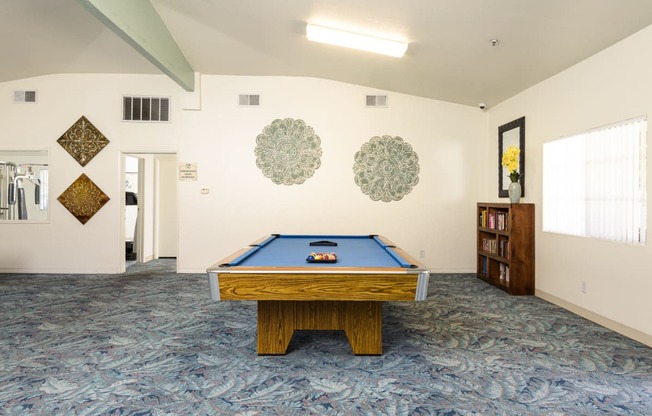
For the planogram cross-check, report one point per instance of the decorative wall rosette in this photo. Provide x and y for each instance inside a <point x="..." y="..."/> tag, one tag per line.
<point x="83" y="141"/>
<point x="288" y="151"/>
<point x="386" y="168"/>
<point x="83" y="199"/>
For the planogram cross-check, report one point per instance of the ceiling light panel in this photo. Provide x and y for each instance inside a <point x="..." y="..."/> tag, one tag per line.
<point x="355" y="41"/>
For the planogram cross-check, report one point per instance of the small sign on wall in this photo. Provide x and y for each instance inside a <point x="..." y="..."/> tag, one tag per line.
<point x="187" y="171"/>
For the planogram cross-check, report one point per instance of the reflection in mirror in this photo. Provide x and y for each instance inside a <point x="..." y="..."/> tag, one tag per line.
<point x="511" y="134"/>
<point x="24" y="185"/>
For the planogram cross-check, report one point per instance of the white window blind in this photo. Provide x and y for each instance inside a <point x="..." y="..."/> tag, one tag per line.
<point x="594" y="183"/>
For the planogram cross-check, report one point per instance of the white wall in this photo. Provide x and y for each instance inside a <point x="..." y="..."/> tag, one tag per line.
<point x="438" y="216"/>
<point x="243" y="204"/>
<point x="611" y="86"/>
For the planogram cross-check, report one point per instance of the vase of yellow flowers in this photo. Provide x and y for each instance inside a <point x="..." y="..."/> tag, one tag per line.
<point x="510" y="162"/>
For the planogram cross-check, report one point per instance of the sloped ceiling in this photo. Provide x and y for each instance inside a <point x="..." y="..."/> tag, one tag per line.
<point x="450" y="56"/>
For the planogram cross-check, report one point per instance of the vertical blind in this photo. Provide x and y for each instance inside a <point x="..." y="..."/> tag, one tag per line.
<point x="594" y="183"/>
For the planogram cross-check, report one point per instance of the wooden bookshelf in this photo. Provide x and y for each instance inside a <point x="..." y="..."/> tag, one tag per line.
<point x="506" y="246"/>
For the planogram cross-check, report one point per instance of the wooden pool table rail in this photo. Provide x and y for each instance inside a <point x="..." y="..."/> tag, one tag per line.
<point x="270" y="286"/>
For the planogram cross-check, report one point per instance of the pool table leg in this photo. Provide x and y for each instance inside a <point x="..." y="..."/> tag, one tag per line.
<point x="360" y="320"/>
<point x="275" y="327"/>
<point x="363" y="324"/>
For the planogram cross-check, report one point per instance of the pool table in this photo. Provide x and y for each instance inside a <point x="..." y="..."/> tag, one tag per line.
<point x="295" y="294"/>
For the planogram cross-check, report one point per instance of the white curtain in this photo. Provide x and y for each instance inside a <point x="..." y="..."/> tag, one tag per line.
<point x="594" y="183"/>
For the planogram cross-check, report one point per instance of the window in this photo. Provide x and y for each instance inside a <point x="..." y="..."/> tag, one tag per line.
<point x="594" y="183"/>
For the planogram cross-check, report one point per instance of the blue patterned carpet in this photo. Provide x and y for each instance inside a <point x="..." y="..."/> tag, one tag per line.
<point x="150" y="342"/>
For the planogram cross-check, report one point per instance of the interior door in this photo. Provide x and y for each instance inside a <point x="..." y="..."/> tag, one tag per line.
<point x="166" y="206"/>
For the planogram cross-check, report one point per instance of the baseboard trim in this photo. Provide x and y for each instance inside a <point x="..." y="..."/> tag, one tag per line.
<point x="625" y="330"/>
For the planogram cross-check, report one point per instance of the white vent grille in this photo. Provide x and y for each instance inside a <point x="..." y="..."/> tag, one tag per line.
<point x="25" y="97"/>
<point x="376" y="101"/>
<point x="249" y="100"/>
<point x="151" y="109"/>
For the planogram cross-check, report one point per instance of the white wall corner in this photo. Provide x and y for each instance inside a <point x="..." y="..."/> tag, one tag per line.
<point x="191" y="100"/>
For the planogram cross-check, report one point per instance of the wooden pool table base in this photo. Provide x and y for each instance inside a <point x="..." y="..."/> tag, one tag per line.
<point x="360" y="320"/>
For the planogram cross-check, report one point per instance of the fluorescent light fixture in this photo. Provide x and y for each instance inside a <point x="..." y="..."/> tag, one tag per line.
<point x="355" y="40"/>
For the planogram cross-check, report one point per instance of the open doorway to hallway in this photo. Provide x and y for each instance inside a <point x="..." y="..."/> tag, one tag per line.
<point x="149" y="207"/>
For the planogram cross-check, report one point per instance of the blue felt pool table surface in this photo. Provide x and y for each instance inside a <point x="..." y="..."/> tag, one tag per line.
<point x="293" y="250"/>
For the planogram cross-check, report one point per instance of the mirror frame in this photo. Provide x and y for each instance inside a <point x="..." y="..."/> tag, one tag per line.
<point x="503" y="185"/>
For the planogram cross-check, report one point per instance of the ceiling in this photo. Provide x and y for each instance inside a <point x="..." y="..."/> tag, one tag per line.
<point x="450" y="55"/>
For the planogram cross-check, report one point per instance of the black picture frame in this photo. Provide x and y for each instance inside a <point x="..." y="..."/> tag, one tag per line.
<point x="511" y="134"/>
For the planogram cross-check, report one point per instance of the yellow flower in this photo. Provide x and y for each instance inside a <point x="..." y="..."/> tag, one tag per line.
<point x="510" y="159"/>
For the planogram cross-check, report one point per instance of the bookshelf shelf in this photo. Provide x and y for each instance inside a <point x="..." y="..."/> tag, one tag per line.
<point x="505" y="246"/>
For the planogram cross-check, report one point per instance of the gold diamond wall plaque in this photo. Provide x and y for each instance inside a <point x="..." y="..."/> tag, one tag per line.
<point x="83" y="198"/>
<point x="83" y="141"/>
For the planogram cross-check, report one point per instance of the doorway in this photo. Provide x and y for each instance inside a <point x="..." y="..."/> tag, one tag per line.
<point x="150" y="180"/>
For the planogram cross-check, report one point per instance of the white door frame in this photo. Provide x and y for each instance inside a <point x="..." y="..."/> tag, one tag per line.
<point x="142" y="190"/>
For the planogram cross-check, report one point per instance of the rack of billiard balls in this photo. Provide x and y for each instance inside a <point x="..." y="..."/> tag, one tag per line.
<point x="321" y="257"/>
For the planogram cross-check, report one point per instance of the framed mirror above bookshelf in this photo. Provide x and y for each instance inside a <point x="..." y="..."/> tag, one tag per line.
<point x="511" y="134"/>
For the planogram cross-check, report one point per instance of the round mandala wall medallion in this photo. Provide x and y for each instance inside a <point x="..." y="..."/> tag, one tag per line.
<point x="386" y="168"/>
<point x="288" y="151"/>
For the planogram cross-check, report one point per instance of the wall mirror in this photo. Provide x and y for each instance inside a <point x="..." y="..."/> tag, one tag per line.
<point x="511" y="134"/>
<point x="24" y="185"/>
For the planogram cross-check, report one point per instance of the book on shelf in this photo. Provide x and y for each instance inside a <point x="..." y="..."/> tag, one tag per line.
<point x="483" y="218"/>
<point x="501" y="220"/>
<point x="493" y="220"/>
<point x="503" y="249"/>
<point x="490" y="245"/>
<point x="504" y="274"/>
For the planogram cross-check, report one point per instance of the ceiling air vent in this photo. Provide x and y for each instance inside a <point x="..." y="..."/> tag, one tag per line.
<point x="249" y="100"/>
<point x="376" y="101"/>
<point x="149" y="109"/>
<point x="25" y="96"/>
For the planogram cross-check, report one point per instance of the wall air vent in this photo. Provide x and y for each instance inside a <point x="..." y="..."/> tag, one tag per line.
<point x="25" y="96"/>
<point x="249" y="100"/>
<point x="147" y="109"/>
<point x="376" y="101"/>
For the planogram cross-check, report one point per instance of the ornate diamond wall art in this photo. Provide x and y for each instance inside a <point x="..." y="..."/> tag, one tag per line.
<point x="83" y="141"/>
<point x="288" y="151"/>
<point x="83" y="198"/>
<point x="386" y="168"/>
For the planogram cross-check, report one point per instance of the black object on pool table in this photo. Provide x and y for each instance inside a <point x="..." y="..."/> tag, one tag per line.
<point x="323" y="243"/>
